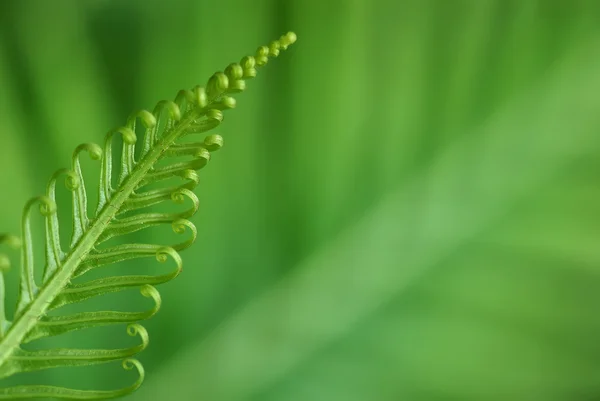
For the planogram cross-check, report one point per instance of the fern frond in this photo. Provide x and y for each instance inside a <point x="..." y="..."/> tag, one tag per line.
<point x="117" y="214"/>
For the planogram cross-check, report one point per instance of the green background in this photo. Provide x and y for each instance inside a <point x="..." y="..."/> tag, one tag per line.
<point x="407" y="205"/>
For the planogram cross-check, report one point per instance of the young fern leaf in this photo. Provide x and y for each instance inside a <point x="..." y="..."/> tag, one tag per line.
<point x="118" y="213"/>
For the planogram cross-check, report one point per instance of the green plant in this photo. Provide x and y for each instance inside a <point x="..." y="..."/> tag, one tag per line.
<point x="143" y="164"/>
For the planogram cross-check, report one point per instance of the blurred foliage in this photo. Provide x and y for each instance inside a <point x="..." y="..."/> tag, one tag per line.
<point x="406" y="206"/>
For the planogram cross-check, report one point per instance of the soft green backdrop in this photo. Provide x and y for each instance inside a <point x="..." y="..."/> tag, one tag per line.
<point x="407" y="206"/>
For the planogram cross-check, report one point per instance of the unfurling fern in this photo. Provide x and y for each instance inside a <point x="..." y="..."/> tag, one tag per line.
<point x="144" y="162"/>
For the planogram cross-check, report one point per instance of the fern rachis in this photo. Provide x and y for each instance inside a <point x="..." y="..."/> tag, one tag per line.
<point x="193" y="112"/>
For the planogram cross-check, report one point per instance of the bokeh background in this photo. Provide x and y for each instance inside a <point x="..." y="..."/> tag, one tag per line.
<point x="407" y="206"/>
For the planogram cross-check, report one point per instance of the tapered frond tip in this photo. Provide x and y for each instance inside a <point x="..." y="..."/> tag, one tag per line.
<point x="289" y="38"/>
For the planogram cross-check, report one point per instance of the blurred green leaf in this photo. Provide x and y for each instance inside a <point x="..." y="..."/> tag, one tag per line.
<point x="438" y="337"/>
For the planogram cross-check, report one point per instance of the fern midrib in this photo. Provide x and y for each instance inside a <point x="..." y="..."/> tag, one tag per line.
<point x="48" y="292"/>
